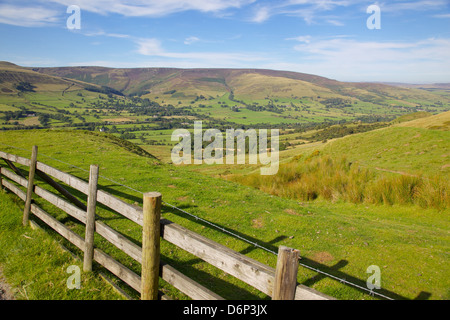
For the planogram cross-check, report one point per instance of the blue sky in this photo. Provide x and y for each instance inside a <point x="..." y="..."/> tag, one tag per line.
<point x="324" y="37"/>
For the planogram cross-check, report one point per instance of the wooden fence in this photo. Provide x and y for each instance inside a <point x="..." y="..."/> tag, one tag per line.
<point x="279" y="283"/>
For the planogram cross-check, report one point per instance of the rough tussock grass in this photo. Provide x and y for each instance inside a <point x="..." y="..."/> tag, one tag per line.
<point x="338" y="179"/>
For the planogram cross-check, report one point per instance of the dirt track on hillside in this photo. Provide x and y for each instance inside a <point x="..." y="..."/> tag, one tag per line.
<point x="5" y="290"/>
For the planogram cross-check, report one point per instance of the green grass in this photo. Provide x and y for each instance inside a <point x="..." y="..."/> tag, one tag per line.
<point x="403" y="149"/>
<point x="35" y="266"/>
<point x="338" y="179"/>
<point x="410" y="244"/>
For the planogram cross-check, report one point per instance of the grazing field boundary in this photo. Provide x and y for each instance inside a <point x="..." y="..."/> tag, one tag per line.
<point x="279" y="283"/>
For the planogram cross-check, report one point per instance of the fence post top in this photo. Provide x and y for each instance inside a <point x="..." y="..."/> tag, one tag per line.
<point x="152" y="195"/>
<point x="287" y="249"/>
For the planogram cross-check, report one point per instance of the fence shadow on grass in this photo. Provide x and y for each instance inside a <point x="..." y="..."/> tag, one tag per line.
<point x="270" y="245"/>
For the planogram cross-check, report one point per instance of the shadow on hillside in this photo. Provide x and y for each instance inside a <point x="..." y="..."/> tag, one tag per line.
<point x="222" y="287"/>
<point x="332" y="270"/>
<point x="227" y="289"/>
<point x="335" y="271"/>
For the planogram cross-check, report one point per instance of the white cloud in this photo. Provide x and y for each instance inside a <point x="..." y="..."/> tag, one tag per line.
<point x="421" y="5"/>
<point x="335" y="23"/>
<point x="34" y="16"/>
<point x="262" y="14"/>
<point x="153" y="8"/>
<point x="150" y="47"/>
<point x="153" y="47"/>
<point x="308" y="10"/>
<point x="44" y="12"/>
<point x="305" y="39"/>
<point x="345" y="58"/>
<point x="106" y="34"/>
<point x="312" y="11"/>
<point x="442" y="16"/>
<point x="191" y="40"/>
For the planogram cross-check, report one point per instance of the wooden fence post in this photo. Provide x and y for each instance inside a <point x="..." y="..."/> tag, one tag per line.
<point x="285" y="281"/>
<point x="90" y="219"/>
<point x="151" y="246"/>
<point x="1" y="182"/>
<point x="26" y="210"/>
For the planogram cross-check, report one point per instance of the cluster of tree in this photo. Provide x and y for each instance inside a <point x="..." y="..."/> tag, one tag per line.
<point x="342" y="130"/>
<point x="105" y="90"/>
<point x="139" y="93"/>
<point x="14" y="115"/>
<point x="336" y="103"/>
<point x="127" y="135"/>
<point x="33" y="127"/>
<point x="271" y="107"/>
<point x="24" y="86"/>
<point x="44" y="118"/>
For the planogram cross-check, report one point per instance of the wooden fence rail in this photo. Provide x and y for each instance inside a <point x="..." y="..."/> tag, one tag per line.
<point x="279" y="283"/>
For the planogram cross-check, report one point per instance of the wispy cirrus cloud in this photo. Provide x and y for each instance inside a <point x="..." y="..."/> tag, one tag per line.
<point x="44" y="12"/>
<point x="359" y="60"/>
<point x="308" y="10"/>
<point x="153" y="47"/>
<point x="442" y="16"/>
<point x="312" y="11"/>
<point x="191" y="40"/>
<point x="420" y="5"/>
<point x="153" y="8"/>
<point x="106" y="34"/>
<point x="261" y="14"/>
<point x="30" y="16"/>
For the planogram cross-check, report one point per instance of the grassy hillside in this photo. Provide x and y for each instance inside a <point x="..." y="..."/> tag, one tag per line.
<point x="405" y="163"/>
<point x="94" y="98"/>
<point x="409" y="244"/>
<point x="435" y="122"/>
<point x="254" y="86"/>
<point x="400" y="148"/>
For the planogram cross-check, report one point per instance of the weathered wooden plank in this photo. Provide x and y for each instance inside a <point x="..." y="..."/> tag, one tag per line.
<point x="244" y="268"/>
<point x="68" y="179"/>
<point x="103" y="197"/>
<point x="58" y="227"/>
<point x="14" y="158"/>
<point x="14" y="189"/>
<point x="61" y="190"/>
<point x="187" y="285"/>
<point x="49" y="196"/>
<point x="118" y="269"/>
<point x="14" y="177"/>
<point x="168" y="273"/>
<point x="119" y="240"/>
<point x="116" y="238"/>
<point x="305" y="293"/>
<point x="62" y="204"/>
<point x="120" y="206"/>
<point x="14" y="168"/>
